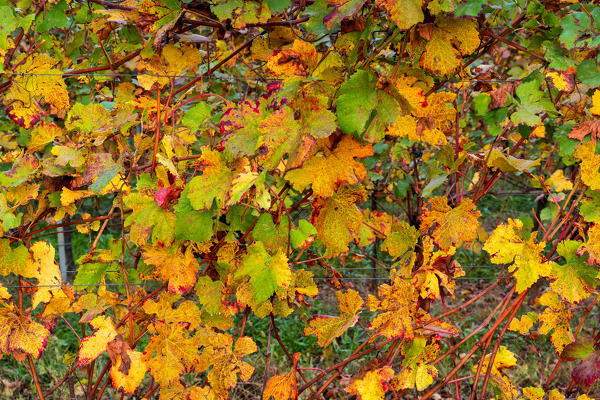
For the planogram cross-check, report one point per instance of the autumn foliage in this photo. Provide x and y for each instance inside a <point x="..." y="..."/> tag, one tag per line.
<point x="225" y="161"/>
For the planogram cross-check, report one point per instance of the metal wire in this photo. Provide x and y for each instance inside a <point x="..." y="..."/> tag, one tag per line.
<point x="133" y="75"/>
<point x="208" y="77"/>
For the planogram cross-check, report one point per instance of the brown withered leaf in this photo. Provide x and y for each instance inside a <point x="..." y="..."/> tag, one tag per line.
<point x="499" y="95"/>
<point x="581" y="131"/>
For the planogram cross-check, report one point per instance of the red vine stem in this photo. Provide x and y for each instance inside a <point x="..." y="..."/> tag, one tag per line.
<point x="345" y="362"/>
<point x="499" y="340"/>
<point x="157" y="132"/>
<point x="463" y="360"/>
<point x="38" y="388"/>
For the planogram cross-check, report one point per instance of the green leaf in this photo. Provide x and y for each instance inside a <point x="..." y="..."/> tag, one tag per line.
<point x="148" y="220"/>
<point x="55" y="17"/>
<point x="273" y="237"/>
<point x="91" y="273"/>
<point x="191" y="224"/>
<point x="580" y="349"/>
<point x="589" y="73"/>
<point x="266" y="274"/>
<point x="12" y="260"/>
<point x="575" y="280"/>
<point x="481" y="103"/>
<point x="277" y="6"/>
<point x="213" y="184"/>
<point x="197" y="116"/>
<point x="529" y="95"/>
<point x="508" y="163"/>
<point x="356" y="102"/>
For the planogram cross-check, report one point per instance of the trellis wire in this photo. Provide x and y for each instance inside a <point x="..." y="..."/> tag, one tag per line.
<point x="208" y="77"/>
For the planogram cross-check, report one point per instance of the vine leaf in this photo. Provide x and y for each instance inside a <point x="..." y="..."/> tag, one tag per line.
<point x="530" y="104"/>
<point x="173" y="265"/>
<point x="326" y="328"/>
<point x="592" y="244"/>
<point x="130" y="380"/>
<point x="592" y="128"/>
<point x="363" y="110"/>
<point x="300" y="60"/>
<point x="504" y="359"/>
<point x="586" y="152"/>
<point x="94" y="345"/>
<point x="186" y="313"/>
<point x="451" y="226"/>
<point x="172" y="62"/>
<point x="148" y="220"/>
<point x="226" y="360"/>
<point x="524" y="324"/>
<point x="213" y="184"/>
<point x="508" y="163"/>
<point x="373" y="385"/>
<point x="171" y="352"/>
<point x="405" y="14"/>
<point x="21" y="334"/>
<point x="326" y="171"/>
<point x="283" y="387"/>
<point x="341" y="9"/>
<point x="575" y="280"/>
<point x="396" y="303"/>
<point x="416" y="369"/>
<point x="41" y="266"/>
<point x="12" y="260"/>
<point x="337" y="219"/>
<point x="37" y="79"/>
<point x="447" y="41"/>
<point x="265" y="273"/>
<point x="506" y="245"/>
<point x="555" y="317"/>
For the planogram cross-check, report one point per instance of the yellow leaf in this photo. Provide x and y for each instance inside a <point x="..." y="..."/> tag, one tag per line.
<point x="533" y="393"/>
<point x="506" y="245"/>
<point x="416" y="368"/>
<point x="37" y="79"/>
<point x="556" y="317"/>
<point x="404" y="13"/>
<point x="41" y="265"/>
<point x="42" y="134"/>
<point x="595" y="109"/>
<point x="213" y="184"/>
<point x="338" y="219"/>
<point x="328" y="170"/>
<point x="397" y="306"/>
<point x="226" y="361"/>
<point x="522" y="326"/>
<point x="555" y="395"/>
<point x="327" y="327"/>
<point x="282" y="387"/>
<point x="504" y="359"/>
<point x="592" y="244"/>
<point x="558" y="182"/>
<point x="452" y="226"/>
<point x="590" y="161"/>
<point x="94" y="345"/>
<point x="373" y="385"/>
<point x="68" y="197"/>
<point x="450" y="40"/>
<point x="300" y="60"/>
<point x="173" y="266"/>
<point x="18" y="332"/>
<point x="172" y="62"/>
<point x="170" y="353"/>
<point x="135" y="371"/>
<point x="186" y="312"/>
